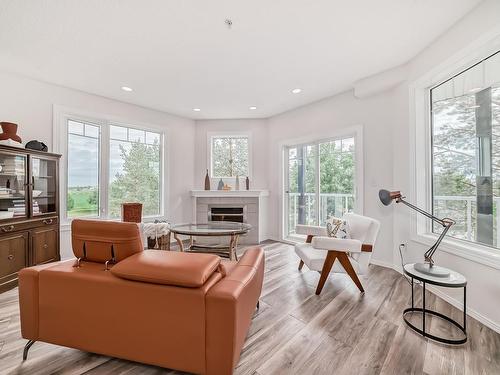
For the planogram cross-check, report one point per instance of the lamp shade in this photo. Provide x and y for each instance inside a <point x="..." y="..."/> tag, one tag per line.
<point x="386" y="196"/>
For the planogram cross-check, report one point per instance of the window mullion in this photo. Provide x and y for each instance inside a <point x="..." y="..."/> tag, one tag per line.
<point x="104" y="169"/>
<point x="317" y="182"/>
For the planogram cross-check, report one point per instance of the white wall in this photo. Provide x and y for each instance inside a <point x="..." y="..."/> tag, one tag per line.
<point x="334" y="114"/>
<point x="483" y="286"/>
<point x="258" y="130"/>
<point x="29" y="103"/>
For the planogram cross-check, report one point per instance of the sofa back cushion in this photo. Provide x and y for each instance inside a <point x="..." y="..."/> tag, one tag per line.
<point x="100" y="241"/>
<point x="168" y="268"/>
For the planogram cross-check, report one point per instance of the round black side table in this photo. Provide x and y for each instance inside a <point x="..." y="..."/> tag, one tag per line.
<point x="455" y="280"/>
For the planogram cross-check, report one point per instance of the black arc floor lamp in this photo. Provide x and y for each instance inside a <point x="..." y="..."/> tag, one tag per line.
<point x="428" y="267"/>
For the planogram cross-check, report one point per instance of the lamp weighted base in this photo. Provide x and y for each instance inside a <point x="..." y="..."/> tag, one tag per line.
<point x="432" y="270"/>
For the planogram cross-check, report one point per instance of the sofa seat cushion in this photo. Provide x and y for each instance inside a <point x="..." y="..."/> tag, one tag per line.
<point x="168" y="268"/>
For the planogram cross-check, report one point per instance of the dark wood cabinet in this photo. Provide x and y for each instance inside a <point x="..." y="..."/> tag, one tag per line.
<point x="29" y="211"/>
<point x="44" y="245"/>
<point x="14" y="249"/>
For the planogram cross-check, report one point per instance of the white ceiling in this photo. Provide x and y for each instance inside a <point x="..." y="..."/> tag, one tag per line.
<point x="179" y="54"/>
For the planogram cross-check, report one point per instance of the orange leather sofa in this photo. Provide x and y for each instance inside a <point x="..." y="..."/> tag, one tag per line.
<point x="189" y="312"/>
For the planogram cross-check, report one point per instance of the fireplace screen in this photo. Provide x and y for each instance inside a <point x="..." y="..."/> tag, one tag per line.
<point x="235" y="214"/>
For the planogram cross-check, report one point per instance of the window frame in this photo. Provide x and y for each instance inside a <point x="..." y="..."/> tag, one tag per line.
<point x="236" y="134"/>
<point x="355" y="132"/>
<point x="420" y="135"/>
<point x="60" y="145"/>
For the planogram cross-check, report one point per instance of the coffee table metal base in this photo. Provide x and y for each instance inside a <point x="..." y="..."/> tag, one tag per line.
<point x="221" y="250"/>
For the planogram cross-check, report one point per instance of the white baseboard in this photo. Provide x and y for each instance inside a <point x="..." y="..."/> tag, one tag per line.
<point x="471" y="312"/>
<point x="381" y="263"/>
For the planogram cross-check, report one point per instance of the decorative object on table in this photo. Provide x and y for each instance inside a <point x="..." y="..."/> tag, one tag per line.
<point x="428" y="267"/>
<point x="226" y="187"/>
<point x="247" y="183"/>
<point x="37" y="146"/>
<point x="9" y="130"/>
<point x="158" y="235"/>
<point x="237" y="183"/>
<point x="7" y="184"/>
<point x="207" y="181"/>
<point x="220" y="186"/>
<point x="132" y="212"/>
<point x="454" y="280"/>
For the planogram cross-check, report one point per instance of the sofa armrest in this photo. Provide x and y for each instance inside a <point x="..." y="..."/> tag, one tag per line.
<point x="28" y="300"/>
<point x="310" y="230"/>
<point x="230" y="305"/>
<point x="337" y="244"/>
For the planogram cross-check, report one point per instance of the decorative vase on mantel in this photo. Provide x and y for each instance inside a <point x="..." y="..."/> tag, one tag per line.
<point x="221" y="185"/>
<point x="247" y="183"/>
<point x="237" y="183"/>
<point x="207" y="181"/>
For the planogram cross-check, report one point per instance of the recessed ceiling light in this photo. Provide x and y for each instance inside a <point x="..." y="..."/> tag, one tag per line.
<point x="296" y="91"/>
<point x="196" y="109"/>
<point x="252" y="108"/>
<point x="126" y="88"/>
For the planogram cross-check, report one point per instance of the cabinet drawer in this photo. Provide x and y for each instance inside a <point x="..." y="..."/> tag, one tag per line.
<point x="28" y="224"/>
<point x="44" y="245"/>
<point x="13" y="256"/>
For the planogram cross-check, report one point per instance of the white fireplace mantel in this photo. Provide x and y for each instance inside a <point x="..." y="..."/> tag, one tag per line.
<point x="230" y="193"/>
<point x="254" y="203"/>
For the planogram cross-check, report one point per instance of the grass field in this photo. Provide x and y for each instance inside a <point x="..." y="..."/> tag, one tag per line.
<point x="84" y="201"/>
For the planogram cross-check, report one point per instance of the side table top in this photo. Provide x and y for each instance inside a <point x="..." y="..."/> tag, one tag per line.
<point x="454" y="280"/>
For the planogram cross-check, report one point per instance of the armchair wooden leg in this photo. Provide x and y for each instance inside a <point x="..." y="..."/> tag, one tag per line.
<point x="327" y="266"/>
<point x="346" y="263"/>
<point x="301" y="264"/>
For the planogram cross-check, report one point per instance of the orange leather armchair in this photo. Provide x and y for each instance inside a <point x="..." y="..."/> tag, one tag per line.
<point x="189" y="312"/>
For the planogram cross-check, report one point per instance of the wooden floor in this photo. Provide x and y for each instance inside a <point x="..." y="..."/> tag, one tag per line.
<point x="297" y="332"/>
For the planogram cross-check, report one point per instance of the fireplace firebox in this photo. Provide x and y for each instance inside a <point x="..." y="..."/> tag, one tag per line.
<point x="227" y="213"/>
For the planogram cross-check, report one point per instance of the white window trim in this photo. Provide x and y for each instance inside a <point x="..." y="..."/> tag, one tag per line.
<point x="59" y="140"/>
<point x="229" y="134"/>
<point x="420" y="152"/>
<point x="356" y="132"/>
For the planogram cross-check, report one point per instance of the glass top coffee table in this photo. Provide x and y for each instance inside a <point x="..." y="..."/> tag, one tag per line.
<point x="227" y="229"/>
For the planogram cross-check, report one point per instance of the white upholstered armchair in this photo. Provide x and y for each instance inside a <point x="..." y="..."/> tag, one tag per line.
<point x="320" y="252"/>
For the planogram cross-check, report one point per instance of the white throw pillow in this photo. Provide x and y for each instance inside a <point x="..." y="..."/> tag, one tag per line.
<point x="337" y="228"/>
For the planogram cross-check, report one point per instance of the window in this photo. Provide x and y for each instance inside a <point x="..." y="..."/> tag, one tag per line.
<point x="229" y="156"/>
<point x="320" y="182"/>
<point x="134" y="170"/>
<point x="83" y="172"/>
<point x="109" y="164"/>
<point x="465" y="131"/>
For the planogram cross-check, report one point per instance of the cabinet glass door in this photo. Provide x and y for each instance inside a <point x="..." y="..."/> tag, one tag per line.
<point x="43" y="175"/>
<point x="12" y="186"/>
